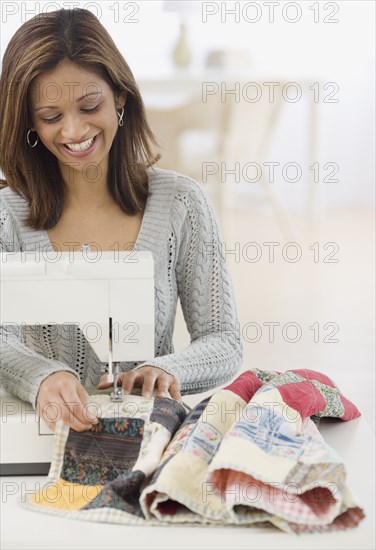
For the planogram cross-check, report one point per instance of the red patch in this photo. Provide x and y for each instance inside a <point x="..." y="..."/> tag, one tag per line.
<point x="351" y="411"/>
<point x="245" y="385"/>
<point x="169" y="507"/>
<point x="303" y="397"/>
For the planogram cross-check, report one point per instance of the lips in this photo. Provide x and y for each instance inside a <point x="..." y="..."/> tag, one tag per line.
<point x="78" y="142"/>
<point x="84" y="152"/>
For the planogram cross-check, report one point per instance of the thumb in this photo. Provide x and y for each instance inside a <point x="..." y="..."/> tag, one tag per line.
<point x="105" y="382"/>
<point x="83" y="395"/>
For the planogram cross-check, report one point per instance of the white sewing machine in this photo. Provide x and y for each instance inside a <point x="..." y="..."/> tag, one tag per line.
<point x="110" y="295"/>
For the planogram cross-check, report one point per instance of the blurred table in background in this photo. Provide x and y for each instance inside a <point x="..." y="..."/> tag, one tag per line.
<point x="199" y="128"/>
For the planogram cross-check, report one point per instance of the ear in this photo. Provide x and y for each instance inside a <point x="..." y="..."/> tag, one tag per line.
<point x="121" y="99"/>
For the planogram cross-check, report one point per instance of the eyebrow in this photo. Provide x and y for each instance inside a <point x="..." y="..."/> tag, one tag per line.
<point x="56" y="107"/>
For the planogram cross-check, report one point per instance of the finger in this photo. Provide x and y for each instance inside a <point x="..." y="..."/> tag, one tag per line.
<point x="175" y="391"/>
<point x="163" y="381"/>
<point x="82" y="394"/>
<point x="104" y="382"/>
<point x="75" y="412"/>
<point x="90" y="410"/>
<point x="82" y="412"/>
<point x="79" y="426"/>
<point x="73" y="422"/>
<point x="148" y="385"/>
<point x="128" y="380"/>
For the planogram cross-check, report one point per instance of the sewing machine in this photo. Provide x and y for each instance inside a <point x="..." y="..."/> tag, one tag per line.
<point x="109" y="295"/>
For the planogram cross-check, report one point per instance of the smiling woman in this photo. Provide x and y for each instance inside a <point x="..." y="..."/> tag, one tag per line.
<point x="66" y="82"/>
<point x="77" y="154"/>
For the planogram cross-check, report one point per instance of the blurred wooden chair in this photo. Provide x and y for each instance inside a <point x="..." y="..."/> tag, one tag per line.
<point x="197" y="135"/>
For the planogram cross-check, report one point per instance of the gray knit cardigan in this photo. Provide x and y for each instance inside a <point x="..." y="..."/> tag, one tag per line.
<point x="179" y="227"/>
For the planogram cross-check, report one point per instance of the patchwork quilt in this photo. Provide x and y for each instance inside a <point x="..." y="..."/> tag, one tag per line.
<point x="250" y="454"/>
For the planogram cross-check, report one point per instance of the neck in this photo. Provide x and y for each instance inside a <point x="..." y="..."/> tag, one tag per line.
<point x="85" y="191"/>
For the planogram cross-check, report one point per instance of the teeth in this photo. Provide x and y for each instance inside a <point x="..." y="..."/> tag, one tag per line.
<point x="80" y="146"/>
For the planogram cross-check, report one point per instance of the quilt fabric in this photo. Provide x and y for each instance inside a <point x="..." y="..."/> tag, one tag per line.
<point x="251" y="454"/>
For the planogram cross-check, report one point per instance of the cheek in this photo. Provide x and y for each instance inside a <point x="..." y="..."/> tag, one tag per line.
<point x="109" y="122"/>
<point x="47" y="136"/>
<point x="44" y="131"/>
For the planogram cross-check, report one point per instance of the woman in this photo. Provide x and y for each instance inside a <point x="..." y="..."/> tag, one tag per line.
<point x="76" y="152"/>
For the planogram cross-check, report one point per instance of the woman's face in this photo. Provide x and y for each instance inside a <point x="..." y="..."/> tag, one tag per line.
<point x="71" y="105"/>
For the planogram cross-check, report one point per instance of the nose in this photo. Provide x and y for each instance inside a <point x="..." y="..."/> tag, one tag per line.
<point x="74" y="128"/>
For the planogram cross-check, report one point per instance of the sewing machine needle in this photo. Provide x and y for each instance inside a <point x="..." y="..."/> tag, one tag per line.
<point x="117" y="394"/>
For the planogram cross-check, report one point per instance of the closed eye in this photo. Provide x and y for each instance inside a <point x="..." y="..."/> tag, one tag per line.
<point x="55" y="119"/>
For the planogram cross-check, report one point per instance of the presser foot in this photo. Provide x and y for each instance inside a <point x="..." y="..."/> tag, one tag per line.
<point x="117" y="395"/>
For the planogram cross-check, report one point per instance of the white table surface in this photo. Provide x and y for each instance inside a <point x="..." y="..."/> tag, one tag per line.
<point x="354" y="441"/>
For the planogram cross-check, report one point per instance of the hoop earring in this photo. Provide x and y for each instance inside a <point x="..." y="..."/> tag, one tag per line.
<point x="28" y="139"/>
<point x="120" y="115"/>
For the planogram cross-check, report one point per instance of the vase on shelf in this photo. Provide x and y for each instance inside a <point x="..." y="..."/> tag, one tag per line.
<point x="181" y="53"/>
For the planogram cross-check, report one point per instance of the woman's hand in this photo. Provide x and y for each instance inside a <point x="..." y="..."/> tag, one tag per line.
<point x="62" y="397"/>
<point x="148" y="377"/>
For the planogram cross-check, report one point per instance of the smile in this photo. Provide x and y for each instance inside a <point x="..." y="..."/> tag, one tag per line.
<point x="82" y="146"/>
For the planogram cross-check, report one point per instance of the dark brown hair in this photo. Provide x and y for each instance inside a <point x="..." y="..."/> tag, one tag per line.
<point x="33" y="173"/>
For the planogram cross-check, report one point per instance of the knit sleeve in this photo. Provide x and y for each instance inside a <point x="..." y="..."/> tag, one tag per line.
<point x="206" y="294"/>
<point x="22" y="370"/>
<point x="8" y="236"/>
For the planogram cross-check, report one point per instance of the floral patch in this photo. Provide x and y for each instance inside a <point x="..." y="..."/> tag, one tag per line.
<point x="109" y="449"/>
